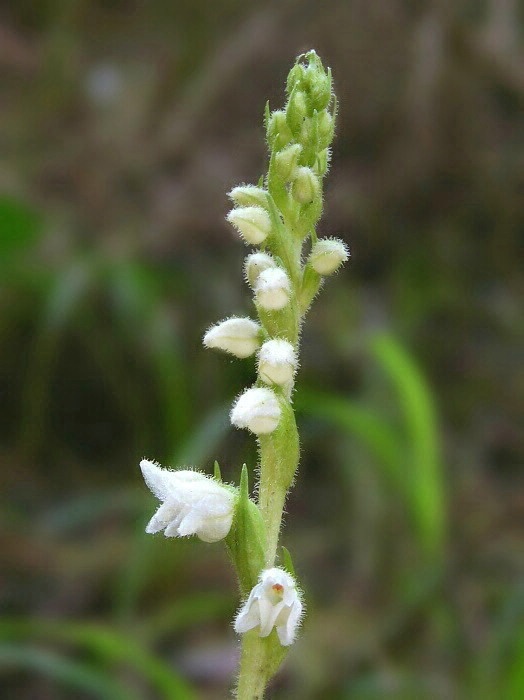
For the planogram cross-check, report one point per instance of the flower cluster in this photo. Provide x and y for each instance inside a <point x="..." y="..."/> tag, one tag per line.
<point x="279" y="216"/>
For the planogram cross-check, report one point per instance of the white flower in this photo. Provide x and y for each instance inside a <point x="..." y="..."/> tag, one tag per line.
<point x="277" y="362"/>
<point x="255" y="264"/>
<point x="272" y="289"/>
<point x="253" y="223"/>
<point x="327" y="255"/>
<point x="192" y="503"/>
<point x="258" y="410"/>
<point x="238" y="336"/>
<point x="273" y="602"/>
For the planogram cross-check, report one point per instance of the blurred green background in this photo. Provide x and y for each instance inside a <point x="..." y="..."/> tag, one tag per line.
<point x="122" y="126"/>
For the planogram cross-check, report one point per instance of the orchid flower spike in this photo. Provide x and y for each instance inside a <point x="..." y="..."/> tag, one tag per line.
<point x="192" y="503"/>
<point x="273" y="602"/>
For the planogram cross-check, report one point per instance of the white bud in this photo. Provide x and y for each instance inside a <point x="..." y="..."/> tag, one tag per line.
<point x="305" y="187"/>
<point x="258" y="410"/>
<point x="272" y="289"/>
<point x="273" y="602"/>
<point x="192" y="503"/>
<point x="253" y="223"/>
<point x="238" y="336"/>
<point x="327" y="255"/>
<point x="255" y="264"/>
<point x="277" y="362"/>
<point x="248" y="195"/>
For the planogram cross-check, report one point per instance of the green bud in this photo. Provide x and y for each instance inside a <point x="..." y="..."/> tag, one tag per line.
<point x="246" y="540"/>
<point x="278" y="131"/>
<point x="296" y="110"/>
<point x="319" y="88"/>
<point x="307" y="131"/>
<point x="326" y="129"/>
<point x="248" y="196"/>
<point x="295" y="77"/>
<point x="305" y="187"/>
<point x="322" y="162"/>
<point x="286" y="161"/>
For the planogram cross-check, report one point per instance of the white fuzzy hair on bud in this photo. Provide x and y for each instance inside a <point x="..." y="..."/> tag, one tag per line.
<point x="238" y="336"/>
<point x="277" y="362"/>
<point x="273" y="602"/>
<point x="255" y="264"/>
<point x="272" y="289"/>
<point x="192" y="503"/>
<point x="253" y="223"/>
<point x="258" y="410"/>
<point x="327" y="255"/>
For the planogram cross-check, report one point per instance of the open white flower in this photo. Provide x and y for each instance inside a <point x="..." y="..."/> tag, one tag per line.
<point x="273" y="602"/>
<point x="258" y="410"/>
<point x="192" y="503"/>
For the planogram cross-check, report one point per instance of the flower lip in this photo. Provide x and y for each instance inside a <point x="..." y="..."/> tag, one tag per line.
<point x="192" y="503"/>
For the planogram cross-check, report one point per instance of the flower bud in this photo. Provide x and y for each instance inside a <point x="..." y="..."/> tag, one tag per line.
<point x="272" y="289"/>
<point x="273" y="602"/>
<point x="192" y="503"/>
<point x="305" y="187"/>
<point x="318" y="83"/>
<point x="278" y="131"/>
<point x="322" y="162"/>
<point x="258" y="410"/>
<point x="238" y="336"/>
<point x="296" y="77"/>
<point x="255" y="264"/>
<point x="248" y="195"/>
<point x="327" y="255"/>
<point x="277" y="362"/>
<point x="253" y="223"/>
<point x="296" y="110"/>
<point x="286" y="161"/>
<point x="326" y="129"/>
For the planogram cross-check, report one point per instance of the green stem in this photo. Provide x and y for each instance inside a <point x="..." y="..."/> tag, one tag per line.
<point x="254" y="670"/>
<point x="279" y="454"/>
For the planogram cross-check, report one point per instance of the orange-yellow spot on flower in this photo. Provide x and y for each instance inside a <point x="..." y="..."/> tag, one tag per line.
<point x="278" y="588"/>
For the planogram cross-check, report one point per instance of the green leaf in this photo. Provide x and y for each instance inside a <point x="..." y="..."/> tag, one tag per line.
<point x="424" y="471"/>
<point x="71" y="673"/>
<point x="108" y="645"/>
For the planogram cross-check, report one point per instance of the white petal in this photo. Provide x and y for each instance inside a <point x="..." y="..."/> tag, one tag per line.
<point x="155" y="478"/>
<point x="165" y="514"/>
<point x="286" y="633"/>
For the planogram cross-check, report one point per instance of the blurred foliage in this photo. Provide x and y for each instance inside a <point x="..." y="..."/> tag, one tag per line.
<point x="122" y="126"/>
